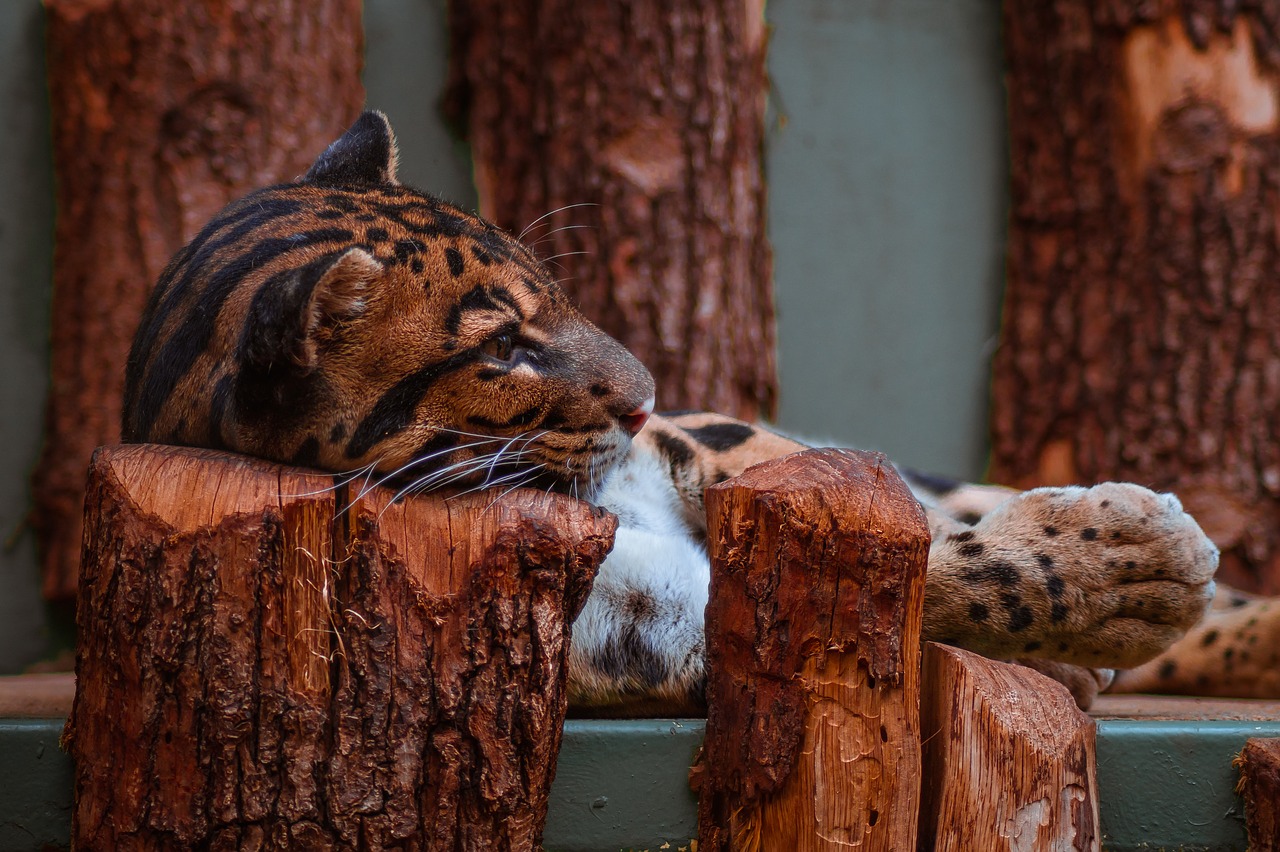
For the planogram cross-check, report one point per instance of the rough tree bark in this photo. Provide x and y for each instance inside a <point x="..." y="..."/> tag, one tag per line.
<point x="162" y="113"/>
<point x="269" y="661"/>
<point x="651" y="113"/>
<point x="1009" y="759"/>
<point x="1142" y="322"/>
<point x="813" y="631"/>
<point x="1259" y="785"/>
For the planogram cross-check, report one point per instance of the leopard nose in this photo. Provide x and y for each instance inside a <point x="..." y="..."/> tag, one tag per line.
<point x="635" y="420"/>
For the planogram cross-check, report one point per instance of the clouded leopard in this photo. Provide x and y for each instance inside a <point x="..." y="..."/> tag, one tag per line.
<point x="347" y="322"/>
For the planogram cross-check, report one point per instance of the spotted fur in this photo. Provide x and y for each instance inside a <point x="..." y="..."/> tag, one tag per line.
<point x="350" y="323"/>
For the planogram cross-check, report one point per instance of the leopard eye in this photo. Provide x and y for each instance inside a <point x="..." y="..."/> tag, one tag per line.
<point x="500" y="346"/>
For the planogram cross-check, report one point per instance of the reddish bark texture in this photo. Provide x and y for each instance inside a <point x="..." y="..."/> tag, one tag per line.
<point x="1259" y="765"/>
<point x="1141" y="331"/>
<point x="255" y="673"/>
<point x="813" y="626"/>
<point x="162" y="113"/>
<point x="651" y="114"/>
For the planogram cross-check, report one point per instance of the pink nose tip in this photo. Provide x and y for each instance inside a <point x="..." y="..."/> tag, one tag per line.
<point x="635" y="421"/>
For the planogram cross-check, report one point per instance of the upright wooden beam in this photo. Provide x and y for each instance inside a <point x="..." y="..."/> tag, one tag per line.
<point x="1141" y="317"/>
<point x="813" y="630"/>
<point x="626" y="141"/>
<point x="267" y="660"/>
<point x="162" y="113"/>
<point x="1009" y="760"/>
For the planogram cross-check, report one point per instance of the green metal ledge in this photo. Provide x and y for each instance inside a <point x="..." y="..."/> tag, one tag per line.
<point x="1163" y="784"/>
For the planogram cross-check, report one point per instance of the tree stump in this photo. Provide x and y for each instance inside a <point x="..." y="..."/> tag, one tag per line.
<point x="625" y="141"/>
<point x="270" y="659"/>
<point x="162" y="113"/>
<point x="1141" y="319"/>
<point x="1008" y="757"/>
<point x="813" y="631"/>
<point x="1259" y="765"/>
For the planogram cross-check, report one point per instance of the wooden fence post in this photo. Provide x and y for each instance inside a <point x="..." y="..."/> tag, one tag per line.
<point x="162" y="112"/>
<point x="1009" y="760"/>
<point x="813" y="631"/>
<point x="260" y="667"/>
<point x="1259" y="765"/>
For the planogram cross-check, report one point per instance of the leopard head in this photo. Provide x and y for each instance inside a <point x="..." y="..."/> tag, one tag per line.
<point x="348" y="322"/>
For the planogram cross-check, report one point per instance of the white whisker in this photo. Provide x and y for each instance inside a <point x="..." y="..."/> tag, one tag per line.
<point x="552" y="213"/>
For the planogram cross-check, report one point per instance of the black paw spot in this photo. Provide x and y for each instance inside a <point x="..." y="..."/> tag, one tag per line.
<point x="1031" y="646"/>
<point x="996" y="570"/>
<point x="978" y="612"/>
<point x="337" y="433"/>
<point x="1159" y="572"/>
<point x="1228" y="653"/>
<point x="1131" y="565"/>
<point x="1045" y="560"/>
<point x="1209" y="638"/>
<point x="969" y="518"/>
<point x="1168" y="668"/>
<point x="1020" y="616"/>
<point x="1088" y="533"/>
<point x="1115" y="535"/>
<point x="972" y="549"/>
<point x="1105" y="503"/>
<point x="1056" y="587"/>
<point x="1051" y="531"/>
<point x="1058" y="613"/>
<point x="967" y="535"/>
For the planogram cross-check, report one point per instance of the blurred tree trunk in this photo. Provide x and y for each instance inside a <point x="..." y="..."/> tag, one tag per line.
<point x="162" y="113"/>
<point x="644" y="122"/>
<point x="1142" y="318"/>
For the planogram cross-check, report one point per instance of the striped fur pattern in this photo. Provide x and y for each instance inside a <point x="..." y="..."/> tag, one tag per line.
<point x="350" y="323"/>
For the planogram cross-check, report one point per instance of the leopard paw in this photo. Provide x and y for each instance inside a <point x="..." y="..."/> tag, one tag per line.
<point x="1107" y="576"/>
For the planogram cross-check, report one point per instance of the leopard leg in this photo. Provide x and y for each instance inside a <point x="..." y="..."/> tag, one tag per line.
<point x="1234" y="652"/>
<point x="1107" y="576"/>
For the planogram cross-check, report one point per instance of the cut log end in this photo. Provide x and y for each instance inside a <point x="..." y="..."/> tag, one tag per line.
<point x="812" y="629"/>
<point x="1259" y="785"/>
<point x="262" y="654"/>
<point x="1009" y="757"/>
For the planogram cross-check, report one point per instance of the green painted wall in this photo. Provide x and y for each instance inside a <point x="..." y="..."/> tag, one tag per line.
<point x="26" y="246"/>
<point x="887" y="180"/>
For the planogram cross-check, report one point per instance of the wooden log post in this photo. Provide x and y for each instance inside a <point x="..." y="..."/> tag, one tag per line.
<point x="1141" y="317"/>
<point x="162" y="113"/>
<point x="1259" y="765"/>
<point x="813" y="631"/>
<point x="625" y="141"/>
<point x="1009" y="761"/>
<point x="260" y="667"/>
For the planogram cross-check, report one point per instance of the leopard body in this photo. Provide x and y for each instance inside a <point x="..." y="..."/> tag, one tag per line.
<point x="353" y="324"/>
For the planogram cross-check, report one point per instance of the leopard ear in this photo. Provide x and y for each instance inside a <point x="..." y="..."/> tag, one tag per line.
<point x="365" y="155"/>
<point x="294" y="315"/>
